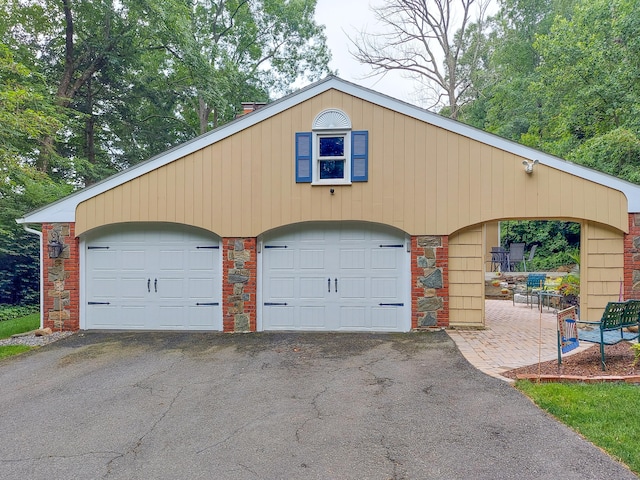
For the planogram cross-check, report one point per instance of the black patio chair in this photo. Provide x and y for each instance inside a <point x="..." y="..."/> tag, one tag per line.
<point x="499" y="259"/>
<point x="516" y="255"/>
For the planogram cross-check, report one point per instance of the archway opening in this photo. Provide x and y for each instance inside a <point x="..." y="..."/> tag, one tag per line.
<point x="522" y="252"/>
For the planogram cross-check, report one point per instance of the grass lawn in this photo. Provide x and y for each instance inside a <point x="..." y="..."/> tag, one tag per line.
<point x="606" y="414"/>
<point x="17" y="325"/>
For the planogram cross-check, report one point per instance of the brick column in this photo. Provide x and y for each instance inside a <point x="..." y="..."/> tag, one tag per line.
<point x="632" y="258"/>
<point x="61" y="278"/>
<point x="429" y="281"/>
<point x="239" y="284"/>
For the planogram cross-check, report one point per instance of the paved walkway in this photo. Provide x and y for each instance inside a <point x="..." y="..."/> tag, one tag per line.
<point x="515" y="336"/>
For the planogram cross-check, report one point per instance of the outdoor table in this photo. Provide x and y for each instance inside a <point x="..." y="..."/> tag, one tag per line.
<point x="548" y="294"/>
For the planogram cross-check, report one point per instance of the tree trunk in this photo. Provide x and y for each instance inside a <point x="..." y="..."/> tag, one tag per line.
<point x="203" y="115"/>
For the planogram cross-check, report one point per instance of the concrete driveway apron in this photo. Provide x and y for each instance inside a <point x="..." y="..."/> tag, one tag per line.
<point x="275" y="406"/>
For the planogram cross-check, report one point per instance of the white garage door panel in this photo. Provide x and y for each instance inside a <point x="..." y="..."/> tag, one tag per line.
<point x="313" y="288"/>
<point x="353" y="318"/>
<point x="352" y="259"/>
<point x="200" y="288"/>
<point x="283" y="288"/>
<point x="133" y="288"/>
<point x="201" y="316"/>
<point x="384" y="259"/>
<point x="311" y="259"/>
<point x="283" y="317"/>
<point x="170" y="317"/>
<point x="334" y="277"/>
<point x="385" y="288"/>
<point x="312" y="317"/>
<point x="385" y="318"/>
<point x="170" y="288"/>
<point x="153" y="276"/>
<point x="352" y="288"/>
<point x="128" y="317"/>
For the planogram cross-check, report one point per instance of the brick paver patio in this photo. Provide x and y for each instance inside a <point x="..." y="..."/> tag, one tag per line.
<point x="515" y="336"/>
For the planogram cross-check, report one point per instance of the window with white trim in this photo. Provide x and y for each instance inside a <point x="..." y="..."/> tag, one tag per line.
<point x="332" y="160"/>
<point x="332" y="154"/>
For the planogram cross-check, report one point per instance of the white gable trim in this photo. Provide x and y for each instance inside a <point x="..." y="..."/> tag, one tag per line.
<point x="64" y="210"/>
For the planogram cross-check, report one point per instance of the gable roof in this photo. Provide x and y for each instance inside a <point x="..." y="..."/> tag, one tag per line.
<point x="64" y="210"/>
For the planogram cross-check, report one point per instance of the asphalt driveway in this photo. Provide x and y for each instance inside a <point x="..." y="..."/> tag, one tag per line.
<point x="275" y="406"/>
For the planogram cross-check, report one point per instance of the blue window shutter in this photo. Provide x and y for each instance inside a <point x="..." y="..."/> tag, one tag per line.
<point x="303" y="157"/>
<point x="359" y="156"/>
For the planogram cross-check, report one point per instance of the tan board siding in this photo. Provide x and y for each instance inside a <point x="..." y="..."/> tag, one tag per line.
<point x="422" y="179"/>
<point x="602" y="268"/>
<point x="466" y="278"/>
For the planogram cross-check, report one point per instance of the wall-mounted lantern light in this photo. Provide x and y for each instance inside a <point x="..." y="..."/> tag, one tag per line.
<point x="55" y="246"/>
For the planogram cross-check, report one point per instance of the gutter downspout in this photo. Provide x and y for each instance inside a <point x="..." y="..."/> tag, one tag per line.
<point x="39" y="233"/>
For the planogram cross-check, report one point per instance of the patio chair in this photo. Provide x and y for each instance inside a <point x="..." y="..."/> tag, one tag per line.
<point x="532" y="252"/>
<point x="516" y="255"/>
<point x="499" y="259"/>
<point x="535" y="283"/>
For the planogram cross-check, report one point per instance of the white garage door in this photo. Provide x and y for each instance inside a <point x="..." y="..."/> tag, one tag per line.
<point x="346" y="276"/>
<point x="152" y="277"/>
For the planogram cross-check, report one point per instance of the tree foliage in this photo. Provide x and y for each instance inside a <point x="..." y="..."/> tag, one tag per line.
<point x="557" y="242"/>
<point x="88" y="88"/>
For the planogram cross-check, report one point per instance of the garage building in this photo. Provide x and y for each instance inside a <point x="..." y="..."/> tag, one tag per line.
<point x="335" y="208"/>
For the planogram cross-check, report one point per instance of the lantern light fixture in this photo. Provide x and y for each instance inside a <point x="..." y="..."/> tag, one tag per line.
<point x="55" y="246"/>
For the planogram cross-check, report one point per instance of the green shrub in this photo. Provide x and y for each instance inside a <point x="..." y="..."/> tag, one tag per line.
<point x="570" y="285"/>
<point x="9" y="312"/>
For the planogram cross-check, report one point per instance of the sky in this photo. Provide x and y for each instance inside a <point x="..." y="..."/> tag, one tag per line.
<point x="345" y="18"/>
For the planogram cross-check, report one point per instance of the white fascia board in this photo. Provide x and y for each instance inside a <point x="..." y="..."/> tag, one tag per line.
<point x="64" y="210"/>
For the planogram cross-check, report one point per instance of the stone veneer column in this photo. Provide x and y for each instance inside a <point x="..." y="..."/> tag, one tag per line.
<point x="239" y="286"/>
<point x="632" y="258"/>
<point x="61" y="279"/>
<point x="429" y="281"/>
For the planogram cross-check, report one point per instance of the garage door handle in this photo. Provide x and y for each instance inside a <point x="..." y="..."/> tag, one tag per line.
<point x="149" y="285"/>
<point x="155" y="284"/>
<point x="336" y="284"/>
<point x="329" y="285"/>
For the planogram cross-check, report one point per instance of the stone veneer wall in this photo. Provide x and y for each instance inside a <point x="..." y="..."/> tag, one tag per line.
<point x="632" y="258"/>
<point x="429" y="281"/>
<point x="239" y="284"/>
<point x="61" y="279"/>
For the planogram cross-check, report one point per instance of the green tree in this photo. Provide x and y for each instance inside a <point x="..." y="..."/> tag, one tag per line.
<point x="28" y="117"/>
<point x="504" y="104"/>
<point x="588" y="81"/>
<point x="223" y="52"/>
<point x="557" y="241"/>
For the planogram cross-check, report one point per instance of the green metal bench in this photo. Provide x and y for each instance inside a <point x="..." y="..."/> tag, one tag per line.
<point x="617" y="317"/>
